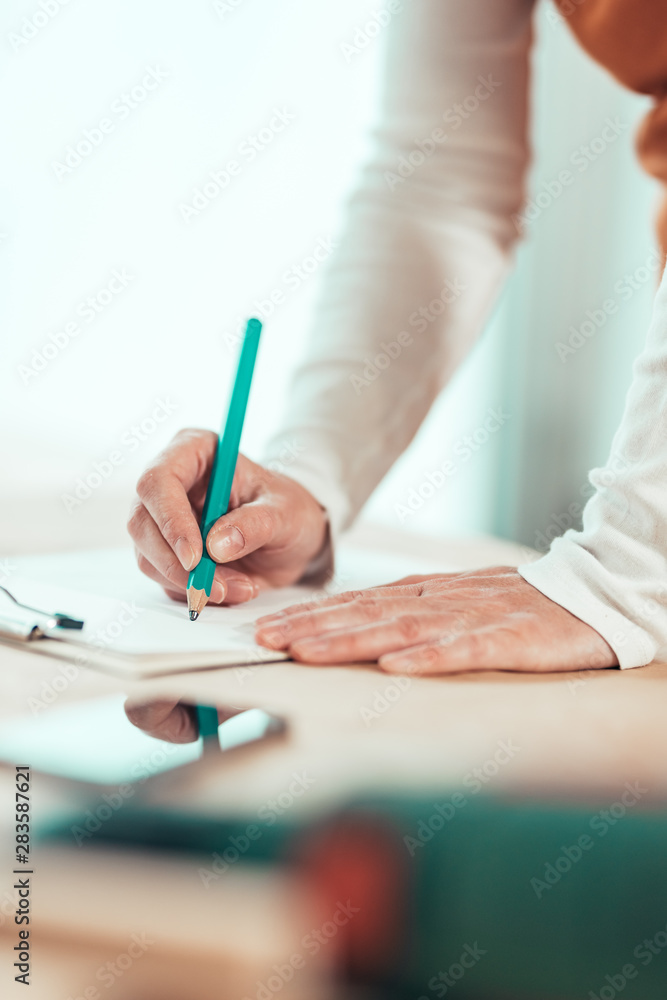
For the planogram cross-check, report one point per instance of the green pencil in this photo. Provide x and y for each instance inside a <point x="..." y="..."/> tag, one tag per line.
<point x="216" y="504"/>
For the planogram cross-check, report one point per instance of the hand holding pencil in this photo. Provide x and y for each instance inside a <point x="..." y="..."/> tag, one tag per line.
<point x="272" y="529"/>
<point x="219" y="488"/>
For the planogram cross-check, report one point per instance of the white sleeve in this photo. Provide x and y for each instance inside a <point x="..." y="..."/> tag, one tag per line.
<point x="424" y="251"/>
<point x="613" y="573"/>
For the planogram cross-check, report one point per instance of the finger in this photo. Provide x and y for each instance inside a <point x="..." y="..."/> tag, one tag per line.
<point x="417" y="578"/>
<point x="368" y="642"/>
<point x="152" y="550"/>
<point x="165" y="720"/>
<point x="479" y="649"/>
<point x="242" y="531"/>
<point x="282" y="633"/>
<point x="176" y="595"/>
<point x="163" y="490"/>
<point x="178" y="585"/>
<point x="229" y="586"/>
<point x="412" y="590"/>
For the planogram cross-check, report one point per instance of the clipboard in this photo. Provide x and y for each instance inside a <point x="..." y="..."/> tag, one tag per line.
<point x="23" y="623"/>
<point x="139" y="638"/>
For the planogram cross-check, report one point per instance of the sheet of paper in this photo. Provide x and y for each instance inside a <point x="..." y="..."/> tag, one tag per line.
<point x="126" y="613"/>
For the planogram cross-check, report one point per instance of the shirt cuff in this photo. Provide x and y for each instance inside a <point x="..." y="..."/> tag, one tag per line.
<point x="571" y="576"/>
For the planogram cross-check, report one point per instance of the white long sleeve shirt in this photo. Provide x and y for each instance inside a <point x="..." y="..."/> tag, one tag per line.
<point x="427" y="245"/>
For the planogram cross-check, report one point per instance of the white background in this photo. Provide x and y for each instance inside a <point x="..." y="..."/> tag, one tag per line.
<point x="167" y="335"/>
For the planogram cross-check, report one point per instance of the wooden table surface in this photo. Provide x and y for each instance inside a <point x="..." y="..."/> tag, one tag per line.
<point x="354" y="730"/>
<point x="357" y="729"/>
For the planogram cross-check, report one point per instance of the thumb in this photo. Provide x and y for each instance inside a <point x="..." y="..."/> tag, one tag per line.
<point x="242" y="531"/>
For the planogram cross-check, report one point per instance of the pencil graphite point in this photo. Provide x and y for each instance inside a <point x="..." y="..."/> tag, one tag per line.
<point x="196" y="602"/>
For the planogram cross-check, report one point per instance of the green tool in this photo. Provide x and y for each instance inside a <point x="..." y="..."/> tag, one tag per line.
<point x="216" y="504"/>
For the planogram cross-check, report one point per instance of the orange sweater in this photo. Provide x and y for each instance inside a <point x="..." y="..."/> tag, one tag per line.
<point x="629" y="38"/>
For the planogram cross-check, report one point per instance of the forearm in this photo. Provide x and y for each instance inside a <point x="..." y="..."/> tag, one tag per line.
<point x="425" y="248"/>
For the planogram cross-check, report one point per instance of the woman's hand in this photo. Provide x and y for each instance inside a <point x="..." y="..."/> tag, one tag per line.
<point x="273" y="528"/>
<point x="490" y="619"/>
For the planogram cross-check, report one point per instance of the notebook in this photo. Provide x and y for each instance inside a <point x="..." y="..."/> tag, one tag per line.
<point x="132" y="629"/>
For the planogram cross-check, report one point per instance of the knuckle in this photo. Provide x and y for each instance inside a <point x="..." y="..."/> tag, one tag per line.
<point x="477" y="647"/>
<point x="136" y="520"/>
<point x="145" y="565"/>
<point x="353" y="595"/>
<point x="170" y="528"/>
<point x="146" y="484"/>
<point x="265" y="522"/>
<point x="429" y="657"/>
<point x="286" y="630"/>
<point x="369" y="607"/>
<point x="409" y="627"/>
<point x="171" y="570"/>
<point x="186" y="433"/>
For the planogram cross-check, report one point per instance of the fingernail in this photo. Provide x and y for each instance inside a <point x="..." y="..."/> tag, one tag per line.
<point x="225" y="544"/>
<point x="241" y="590"/>
<point x="185" y="553"/>
<point x="218" y="592"/>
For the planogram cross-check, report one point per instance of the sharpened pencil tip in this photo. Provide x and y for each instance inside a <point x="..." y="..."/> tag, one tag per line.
<point x="194" y="615"/>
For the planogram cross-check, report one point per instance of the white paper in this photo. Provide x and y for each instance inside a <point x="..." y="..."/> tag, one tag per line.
<point x="128" y="615"/>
